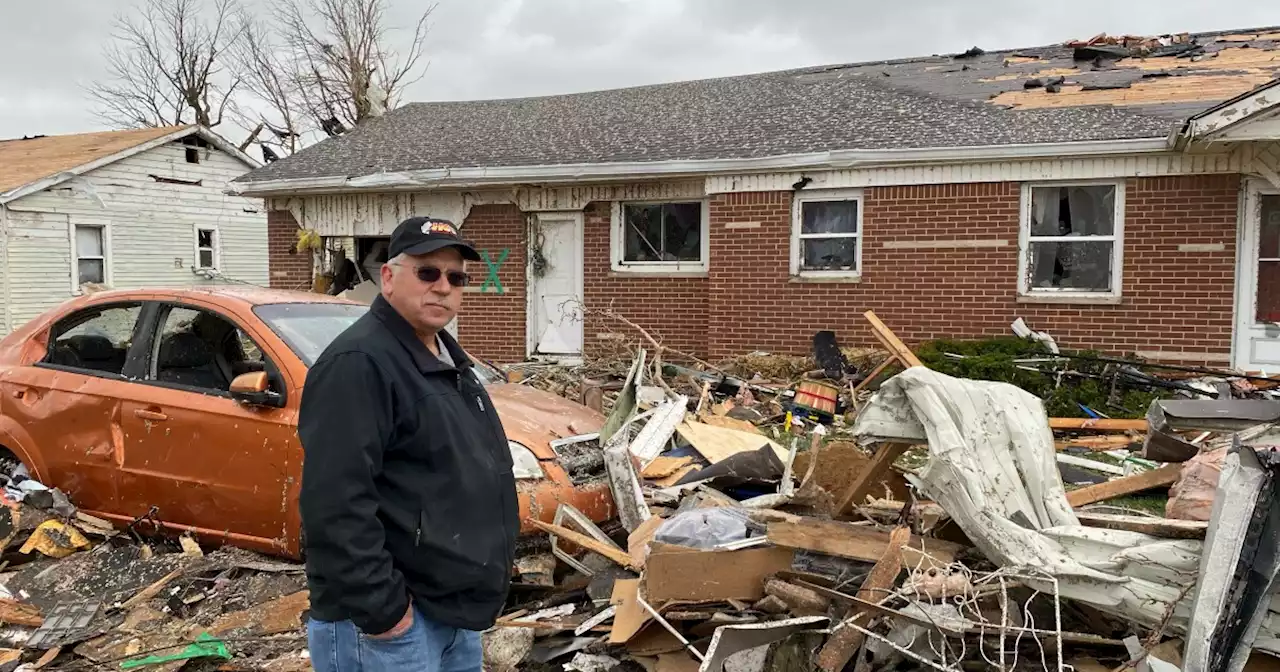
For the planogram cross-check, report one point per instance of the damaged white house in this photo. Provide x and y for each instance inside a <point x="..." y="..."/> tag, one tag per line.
<point x="122" y="209"/>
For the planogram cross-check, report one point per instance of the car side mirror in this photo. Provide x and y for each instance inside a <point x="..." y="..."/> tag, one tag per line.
<point x="254" y="389"/>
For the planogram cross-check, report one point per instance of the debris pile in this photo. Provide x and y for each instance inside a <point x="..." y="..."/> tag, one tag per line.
<point x="77" y="593"/>
<point x="749" y="543"/>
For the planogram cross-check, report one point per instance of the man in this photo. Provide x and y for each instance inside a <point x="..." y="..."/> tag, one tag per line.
<point x="409" y="510"/>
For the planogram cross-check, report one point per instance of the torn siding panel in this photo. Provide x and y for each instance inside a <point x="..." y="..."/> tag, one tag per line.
<point x="1003" y="171"/>
<point x="39" y="272"/>
<point x="153" y="224"/>
<point x="6" y="317"/>
<point x="378" y="213"/>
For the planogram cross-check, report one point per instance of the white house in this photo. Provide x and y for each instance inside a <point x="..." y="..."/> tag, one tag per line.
<point x="122" y="209"/>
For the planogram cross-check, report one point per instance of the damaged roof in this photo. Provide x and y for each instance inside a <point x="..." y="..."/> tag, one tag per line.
<point x="25" y="160"/>
<point x="1096" y="90"/>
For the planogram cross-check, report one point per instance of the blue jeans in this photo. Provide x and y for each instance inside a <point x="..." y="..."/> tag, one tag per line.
<point x="427" y="646"/>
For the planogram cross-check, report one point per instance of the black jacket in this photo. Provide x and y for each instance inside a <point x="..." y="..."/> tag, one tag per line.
<point x="407" y="488"/>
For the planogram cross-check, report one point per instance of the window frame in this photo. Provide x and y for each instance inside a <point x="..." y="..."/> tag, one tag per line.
<point x="104" y="229"/>
<point x="216" y="249"/>
<point x="618" y="239"/>
<point x="1025" y="240"/>
<point x="160" y="315"/>
<point x="797" y="223"/>
<point x="134" y="356"/>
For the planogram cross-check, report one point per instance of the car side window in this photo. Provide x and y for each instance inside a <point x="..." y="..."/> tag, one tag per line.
<point x="199" y="349"/>
<point x="95" y="339"/>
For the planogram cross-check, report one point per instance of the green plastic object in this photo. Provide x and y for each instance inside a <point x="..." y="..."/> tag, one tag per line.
<point x="205" y="646"/>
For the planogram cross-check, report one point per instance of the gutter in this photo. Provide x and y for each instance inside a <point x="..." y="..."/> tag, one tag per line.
<point x="619" y="171"/>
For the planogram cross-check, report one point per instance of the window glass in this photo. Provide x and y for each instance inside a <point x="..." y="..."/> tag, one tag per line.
<point x="1072" y="241"/>
<point x="662" y="232"/>
<point x="199" y="349"/>
<point x="97" y="339"/>
<point x="829" y="217"/>
<point x="206" y="241"/>
<point x="829" y="233"/>
<point x="309" y="328"/>
<point x="91" y="266"/>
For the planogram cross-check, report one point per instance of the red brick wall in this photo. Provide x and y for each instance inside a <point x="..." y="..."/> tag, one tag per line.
<point x="1172" y="301"/>
<point x="288" y="269"/>
<point x="672" y="309"/>
<point x="492" y="325"/>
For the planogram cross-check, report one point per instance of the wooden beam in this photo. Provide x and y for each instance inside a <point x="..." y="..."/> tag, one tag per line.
<point x="615" y="554"/>
<point x="845" y="641"/>
<point x="1101" y="424"/>
<point x="875" y="472"/>
<point x="1167" y="528"/>
<point x="891" y="342"/>
<point x="1156" y="478"/>
<point x="875" y="373"/>
<point x="856" y="542"/>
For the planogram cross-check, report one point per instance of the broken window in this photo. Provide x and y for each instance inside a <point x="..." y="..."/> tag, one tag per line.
<point x="202" y="350"/>
<point x="91" y="255"/>
<point x="665" y="234"/>
<point x="206" y="248"/>
<point x="828" y="232"/>
<point x="95" y="339"/>
<point x="1073" y="239"/>
<point x="1267" y="306"/>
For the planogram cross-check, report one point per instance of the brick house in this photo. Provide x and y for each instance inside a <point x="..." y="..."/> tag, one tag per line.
<point x="1124" y="198"/>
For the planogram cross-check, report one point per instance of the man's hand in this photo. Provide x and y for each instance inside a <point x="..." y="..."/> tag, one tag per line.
<point x="400" y="627"/>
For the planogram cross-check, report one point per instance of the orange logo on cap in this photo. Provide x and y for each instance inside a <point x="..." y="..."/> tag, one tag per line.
<point x="439" y="227"/>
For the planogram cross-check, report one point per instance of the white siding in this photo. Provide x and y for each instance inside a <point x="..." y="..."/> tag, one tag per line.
<point x="39" y="264"/>
<point x="152" y="226"/>
<point x="1103" y="167"/>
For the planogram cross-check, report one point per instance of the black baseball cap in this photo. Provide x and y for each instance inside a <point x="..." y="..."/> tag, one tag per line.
<point x="424" y="235"/>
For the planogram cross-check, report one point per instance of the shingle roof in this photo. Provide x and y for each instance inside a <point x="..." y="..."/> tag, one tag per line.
<point x="934" y="102"/>
<point x="26" y="160"/>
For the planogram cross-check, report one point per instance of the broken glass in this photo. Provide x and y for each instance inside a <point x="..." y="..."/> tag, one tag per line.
<point x="1079" y="266"/>
<point x="829" y="254"/>
<point x="1073" y="211"/>
<point x="662" y="232"/>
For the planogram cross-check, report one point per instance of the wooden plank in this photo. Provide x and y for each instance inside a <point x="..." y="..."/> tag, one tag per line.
<point x="875" y="373"/>
<point x="152" y="590"/>
<point x="1156" y="478"/>
<point x="717" y="444"/>
<point x="1100" y="424"/>
<point x="867" y="478"/>
<point x="698" y="576"/>
<point x="856" y="542"/>
<point x="617" y="555"/>
<point x="1167" y="528"/>
<point x="846" y="641"/>
<point x="13" y="612"/>
<point x="663" y="466"/>
<point x="1098" y="444"/>
<point x="891" y="342"/>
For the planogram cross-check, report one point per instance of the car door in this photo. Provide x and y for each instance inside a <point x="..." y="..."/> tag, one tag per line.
<point x="205" y="460"/>
<point x="69" y="403"/>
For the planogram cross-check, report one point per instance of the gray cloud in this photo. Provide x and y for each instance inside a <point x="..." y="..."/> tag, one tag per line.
<point x="509" y="48"/>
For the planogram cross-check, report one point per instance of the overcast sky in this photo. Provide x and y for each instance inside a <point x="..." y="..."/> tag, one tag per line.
<point x="506" y="48"/>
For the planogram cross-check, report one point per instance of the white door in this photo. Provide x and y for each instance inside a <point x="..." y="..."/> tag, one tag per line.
<point x="555" y="317"/>
<point x="1257" y="346"/>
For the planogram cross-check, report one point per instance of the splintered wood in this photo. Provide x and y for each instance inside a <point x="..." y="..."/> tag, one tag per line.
<point x="878" y="585"/>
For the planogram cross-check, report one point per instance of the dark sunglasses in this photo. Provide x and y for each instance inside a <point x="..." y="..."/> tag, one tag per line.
<point x="431" y="274"/>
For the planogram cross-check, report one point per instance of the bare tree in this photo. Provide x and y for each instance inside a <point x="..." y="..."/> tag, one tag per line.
<point x="166" y="64"/>
<point x="342" y="61"/>
<point x="257" y="58"/>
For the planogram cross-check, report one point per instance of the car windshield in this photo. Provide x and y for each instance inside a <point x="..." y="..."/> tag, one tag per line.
<point x="309" y="328"/>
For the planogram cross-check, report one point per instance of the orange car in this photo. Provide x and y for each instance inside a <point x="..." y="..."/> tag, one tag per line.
<point x="186" y="400"/>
